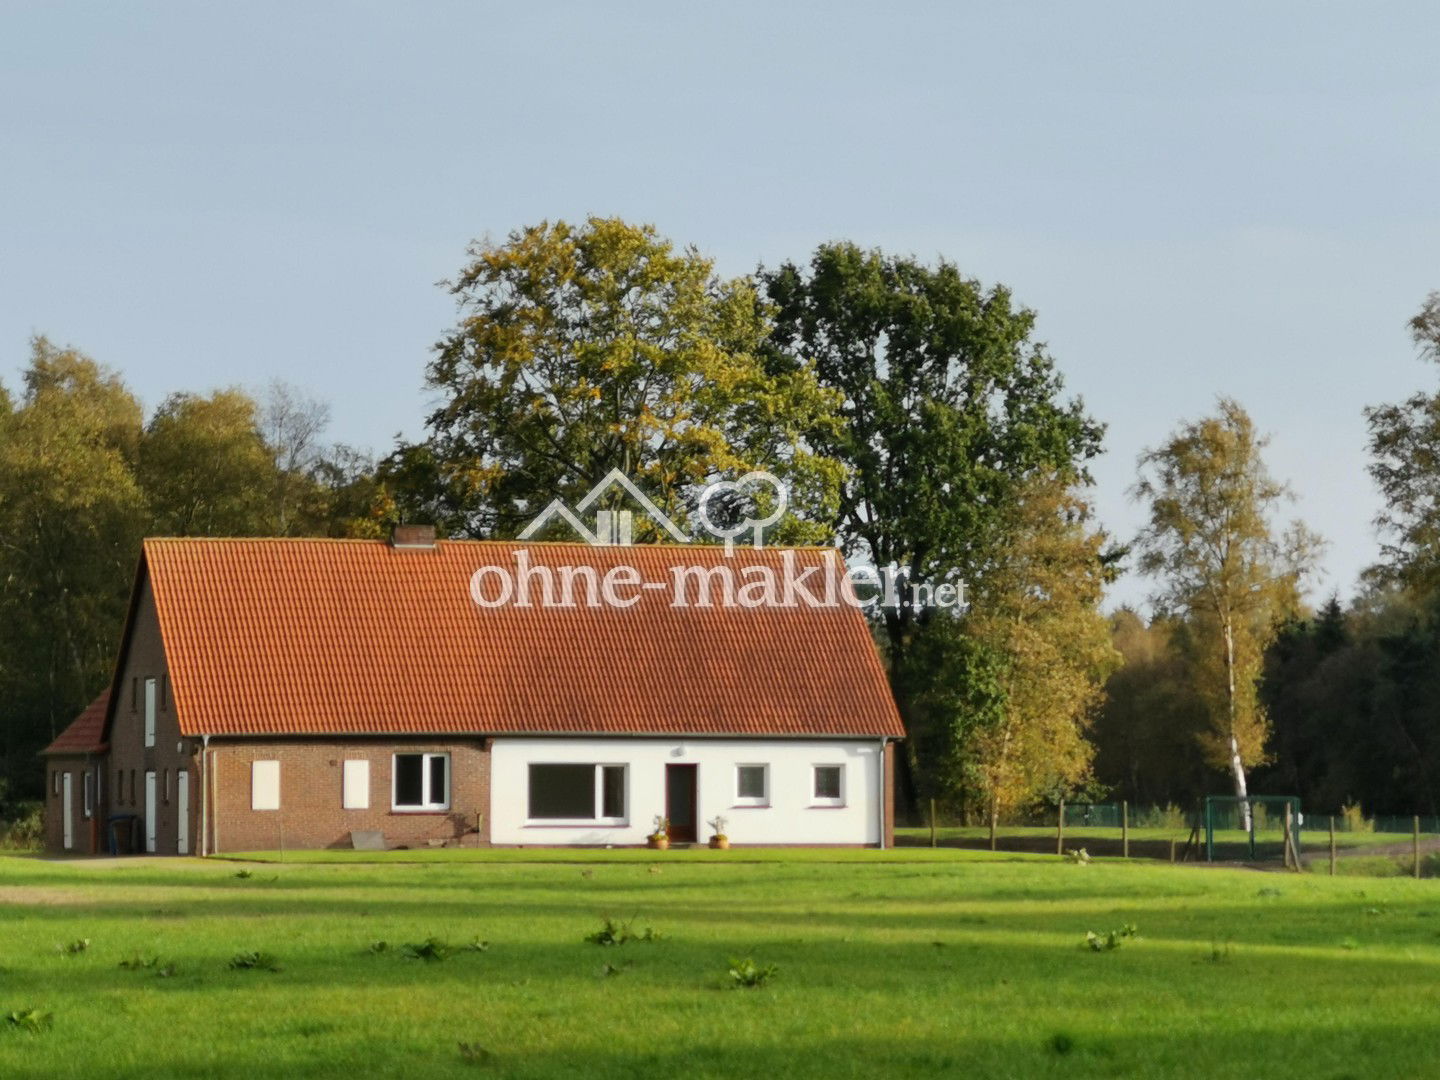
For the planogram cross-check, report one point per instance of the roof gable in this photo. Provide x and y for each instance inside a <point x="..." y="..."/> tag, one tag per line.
<point x="293" y="637"/>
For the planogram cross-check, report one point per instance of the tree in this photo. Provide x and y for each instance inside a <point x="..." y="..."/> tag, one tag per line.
<point x="585" y="349"/>
<point x="949" y="411"/>
<point x="71" y="517"/>
<point x="1037" y="609"/>
<point x="1220" y="567"/>
<point x="205" y="467"/>
<point x="291" y="425"/>
<point x="1144" y="734"/>
<point x="1405" y="464"/>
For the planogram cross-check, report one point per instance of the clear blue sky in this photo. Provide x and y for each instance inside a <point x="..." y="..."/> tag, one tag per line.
<point x="1197" y="201"/>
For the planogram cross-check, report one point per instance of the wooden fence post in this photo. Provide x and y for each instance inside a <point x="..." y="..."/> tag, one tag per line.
<point x="1332" y="845"/>
<point x="1125" y="828"/>
<point x="1060" y="830"/>
<point x="932" y="822"/>
<point x="994" y="813"/>
<point x="1172" y="849"/>
<point x="1415" y="844"/>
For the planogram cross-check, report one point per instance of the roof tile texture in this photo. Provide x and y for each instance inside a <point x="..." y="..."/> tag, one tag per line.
<point x="86" y="733"/>
<point x="284" y="637"/>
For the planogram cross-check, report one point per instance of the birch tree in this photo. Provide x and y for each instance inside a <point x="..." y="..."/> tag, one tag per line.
<point x="1221" y="566"/>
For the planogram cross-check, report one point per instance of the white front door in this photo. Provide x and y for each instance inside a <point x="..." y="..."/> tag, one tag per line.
<point x="150" y="812"/>
<point x="182" y="807"/>
<point x="67" y="811"/>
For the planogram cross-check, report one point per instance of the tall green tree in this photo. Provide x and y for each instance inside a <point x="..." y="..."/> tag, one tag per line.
<point x="1221" y="566"/>
<point x="71" y="517"/>
<point x="1037" y="608"/>
<point x="582" y="349"/>
<point x="205" y="468"/>
<point x="1405" y="464"/>
<point x="949" y="409"/>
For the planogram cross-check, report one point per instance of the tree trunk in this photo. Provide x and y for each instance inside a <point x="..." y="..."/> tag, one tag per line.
<point x="1237" y="766"/>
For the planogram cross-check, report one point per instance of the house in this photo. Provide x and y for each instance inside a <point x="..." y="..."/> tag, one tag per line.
<point x="274" y="694"/>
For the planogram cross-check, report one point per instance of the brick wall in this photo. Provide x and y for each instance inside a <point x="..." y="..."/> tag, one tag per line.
<point x="130" y="759"/>
<point x="88" y="832"/>
<point x="312" y="814"/>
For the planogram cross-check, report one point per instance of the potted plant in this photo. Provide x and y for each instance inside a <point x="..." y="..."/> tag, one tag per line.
<point x="659" y="837"/>
<point x="719" y="840"/>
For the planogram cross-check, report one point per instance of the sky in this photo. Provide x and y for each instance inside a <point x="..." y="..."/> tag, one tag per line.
<point x="1238" y="199"/>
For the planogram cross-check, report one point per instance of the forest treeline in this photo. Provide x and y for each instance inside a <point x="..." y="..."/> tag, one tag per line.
<point x="918" y="424"/>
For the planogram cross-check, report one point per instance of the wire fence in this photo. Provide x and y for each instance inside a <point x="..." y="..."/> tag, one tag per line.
<point x="1217" y="829"/>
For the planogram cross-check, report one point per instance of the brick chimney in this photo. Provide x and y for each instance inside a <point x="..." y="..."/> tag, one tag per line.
<point x="413" y="537"/>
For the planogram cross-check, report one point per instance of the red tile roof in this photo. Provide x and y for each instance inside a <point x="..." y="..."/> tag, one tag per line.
<point x="86" y="733"/>
<point x="280" y="637"/>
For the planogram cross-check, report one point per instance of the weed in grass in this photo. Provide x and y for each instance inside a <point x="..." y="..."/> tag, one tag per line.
<point x="609" y="970"/>
<point x="587" y="874"/>
<point x="139" y="963"/>
<point x="1267" y="891"/>
<point x="1078" y="856"/>
<point x="74" y="948"/>
<point x="244" y="875"/>
<point x="432" y="949"/>
<point x="1111" y="941"/>
<point x="166" y="972"/>
<point x="614" y="932"/>
<point x="475" y="1054"/>
<point x="749" y="975"/>
<point x="30" y="1021"/>
<point x="1060" y="1043"/>
<point x="378" y="947"/>
<point x="253" y="961"/>
<point x="478" y="945"/>
<point x="1219" y="954"/>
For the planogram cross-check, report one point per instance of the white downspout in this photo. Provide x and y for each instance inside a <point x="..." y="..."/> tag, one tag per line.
<point x="880" y="786"/>
<point x="204" y="796"/>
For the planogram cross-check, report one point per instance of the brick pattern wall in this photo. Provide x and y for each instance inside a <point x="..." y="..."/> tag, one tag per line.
<point x="312" y="814"/>
<point x="87" y="833"/>
<point x="130" y="759"/>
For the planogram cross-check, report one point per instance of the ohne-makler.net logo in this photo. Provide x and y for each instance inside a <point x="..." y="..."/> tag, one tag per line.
<point x="780" y="578"/>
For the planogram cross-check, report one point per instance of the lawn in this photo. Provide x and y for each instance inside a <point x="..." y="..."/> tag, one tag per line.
<point x="904" y="963"/>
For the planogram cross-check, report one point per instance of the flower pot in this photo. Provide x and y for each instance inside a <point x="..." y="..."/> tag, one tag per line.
<point x="659" y="843"/>
<point x="720" y="842"/>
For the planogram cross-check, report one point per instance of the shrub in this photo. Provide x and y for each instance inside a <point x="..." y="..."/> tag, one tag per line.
<point x="1111" y="941"/>
<point x="253" y="961"/>
<point x="750" y="975"/>
<point x="1353" y="819"/>
<point x="26" y="830"/>
<point x="614" y="932"/>
<point x="432" y="949"/>
<point x="31" y="1021"/>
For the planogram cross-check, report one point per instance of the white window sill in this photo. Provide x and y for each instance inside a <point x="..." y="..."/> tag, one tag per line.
<point x="750" y="806"/>
<point x="577" y="823"/>
<point x="420" y="809"/>
<point x="827" y="806"/>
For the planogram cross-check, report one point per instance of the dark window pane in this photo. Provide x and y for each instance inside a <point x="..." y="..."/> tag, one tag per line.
<point x="827" y="781"/>
<point x="752" y="781"/>
<point x="439" y="768"/>
<point x="613" y="795"/>
<point x="562" y="791"/>
<point x="409" y="779"/>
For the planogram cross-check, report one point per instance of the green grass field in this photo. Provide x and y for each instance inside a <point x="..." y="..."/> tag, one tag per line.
<point x="904" y="963"/>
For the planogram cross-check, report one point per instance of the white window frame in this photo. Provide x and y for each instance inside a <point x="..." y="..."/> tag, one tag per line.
<point x="149" y="712"/>
<point x="752" y="800"/>
<point x="355" y="784"/>
<point x="598" y="818"/>
<point x="261" y="773"/>
<point x="427" y="805"/>
<point x="817" y="799"/>
<point x="87" y="784"/>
